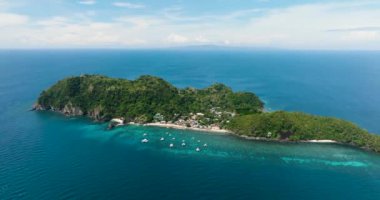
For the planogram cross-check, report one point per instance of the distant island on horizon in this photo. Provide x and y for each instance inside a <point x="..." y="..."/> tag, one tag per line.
<point x="152" y="101"/>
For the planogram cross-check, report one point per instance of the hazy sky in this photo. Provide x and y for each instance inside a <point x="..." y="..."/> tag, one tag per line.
<point x="290" y="24"/>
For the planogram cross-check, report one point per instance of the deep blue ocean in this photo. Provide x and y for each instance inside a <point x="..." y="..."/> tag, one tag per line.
<point x="48" y="156"/>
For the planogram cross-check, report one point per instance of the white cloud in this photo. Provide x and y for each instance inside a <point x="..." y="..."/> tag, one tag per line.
<point x="306" y="26"/>
<point x="360" y="36"/>
<point x="11" y="19"/>
<point x="65" y="32"/>
<point x="88" y="34"/>
<point x="310" y="26"/>
<point x="139" y="21"/>
<point x="373" y="28"/>
<point x="201" y="39"/>
<point x="55" y="21"/>
<point x="175" y="13"/>
<point x="128" y="5"/>
<point x="87" y="2"/>
<point x="175" y="38"/>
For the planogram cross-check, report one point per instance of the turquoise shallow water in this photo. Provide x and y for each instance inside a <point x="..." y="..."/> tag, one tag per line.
<point x="47" y="156"/>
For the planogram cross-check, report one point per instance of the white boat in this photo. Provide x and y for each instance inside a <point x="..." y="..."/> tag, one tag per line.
<point x="162" y="139"/>
<point x="205" y="145"/>
<point x="197" y="149"/>
<point x="171" y="145"/>
<point x="144" y="140"/>
<point x="144" y="134"/>
<point x="173" y="138"/>
<point x="183" y="144"/>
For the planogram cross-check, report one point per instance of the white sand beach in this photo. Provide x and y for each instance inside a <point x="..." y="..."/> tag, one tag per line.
<point x="267" y="139"/>
<point x="321" y="141"/>
<point x="175" y="126"/>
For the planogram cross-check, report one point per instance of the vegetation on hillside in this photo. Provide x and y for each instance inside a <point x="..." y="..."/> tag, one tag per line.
<point x="143" y="98"/>
<point x="295" y="126"/>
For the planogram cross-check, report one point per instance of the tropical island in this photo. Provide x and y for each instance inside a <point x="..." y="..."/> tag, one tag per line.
<point x="150" y="100"/>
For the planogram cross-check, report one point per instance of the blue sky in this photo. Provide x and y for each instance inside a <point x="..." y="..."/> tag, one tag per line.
<point x="288" y="24"/>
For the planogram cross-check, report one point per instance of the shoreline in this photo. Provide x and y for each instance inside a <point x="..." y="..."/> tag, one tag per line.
<point x="287" y="141"/>
<point x="323" y="141"/>
<point x="224" y="131"/>
<point x="180" y="127"/>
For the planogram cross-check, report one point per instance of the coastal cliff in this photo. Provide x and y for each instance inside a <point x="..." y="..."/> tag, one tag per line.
<point x="72" y="111"/>
<point x="153" y="100"/>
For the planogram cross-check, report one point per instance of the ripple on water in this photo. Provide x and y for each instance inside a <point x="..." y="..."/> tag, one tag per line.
<point x="325" y="162"/>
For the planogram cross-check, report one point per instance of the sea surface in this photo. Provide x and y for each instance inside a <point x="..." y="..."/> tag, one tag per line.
<point x="45" y="156"/>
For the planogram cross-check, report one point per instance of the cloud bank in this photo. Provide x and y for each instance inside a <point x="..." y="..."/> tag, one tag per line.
<point x="339" y="25"/>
